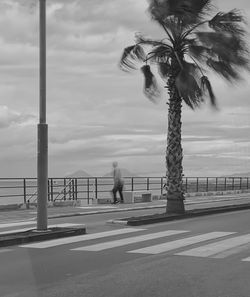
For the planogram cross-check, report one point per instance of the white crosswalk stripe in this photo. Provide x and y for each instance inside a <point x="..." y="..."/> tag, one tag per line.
<point x="3" y="250"/>
<point x="17" y="224"/>
<point x="121" y="242"/>
<point x="246" y="259"/>
<point x="217" y="247"/>
<point x="232" y="251"/>
<point x="78" y="238"/>
<point x="172" y="245"/>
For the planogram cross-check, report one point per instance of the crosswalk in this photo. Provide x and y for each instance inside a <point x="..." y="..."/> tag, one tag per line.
<point x="141" y="241"/>
<point x="182" y="243"/>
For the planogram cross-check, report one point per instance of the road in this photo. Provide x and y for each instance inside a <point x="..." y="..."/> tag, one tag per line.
<point x="205" y="256"/>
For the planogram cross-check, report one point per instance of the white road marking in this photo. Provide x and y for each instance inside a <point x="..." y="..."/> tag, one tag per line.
<point x="5" y="250"/>
<point x="15" y="224"/>
<point x="232" y="251"/>
<point x="125" y="241"/>
<point x="14" y="231"/>
<point x="78" y="238"/>
<point x="246" y="259"/>
<point x="97" y="207"/>
<point x="217" y="247"/>
<point x="64" y="225"/>
<point x="168" y="246"/>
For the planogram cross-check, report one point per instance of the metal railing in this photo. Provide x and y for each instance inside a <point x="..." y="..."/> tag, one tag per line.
<point x="24" y="190"/>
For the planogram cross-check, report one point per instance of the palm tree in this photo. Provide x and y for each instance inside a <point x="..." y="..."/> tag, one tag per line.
<point x="194" y="44"/>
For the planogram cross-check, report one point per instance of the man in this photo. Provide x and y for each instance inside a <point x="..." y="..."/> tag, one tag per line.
<point x="118" y="182"/>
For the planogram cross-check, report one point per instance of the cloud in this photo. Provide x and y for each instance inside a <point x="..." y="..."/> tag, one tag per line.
<point x="10" y="117"/>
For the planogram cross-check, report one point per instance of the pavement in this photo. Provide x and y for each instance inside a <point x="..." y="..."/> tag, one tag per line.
<point x="194" y="206"/>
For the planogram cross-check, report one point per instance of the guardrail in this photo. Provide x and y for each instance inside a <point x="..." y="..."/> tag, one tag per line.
<point x="24" y="190"/>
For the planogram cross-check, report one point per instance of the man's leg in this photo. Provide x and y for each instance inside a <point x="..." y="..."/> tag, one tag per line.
<point x="120" y="193"/>
<point x="114" y="191"/>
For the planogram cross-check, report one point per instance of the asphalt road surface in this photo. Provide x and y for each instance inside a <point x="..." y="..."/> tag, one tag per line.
<point x="200" y="257"/>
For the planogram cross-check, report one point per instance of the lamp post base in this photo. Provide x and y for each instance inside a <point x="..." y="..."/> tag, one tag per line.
<point x="42" y="177"/>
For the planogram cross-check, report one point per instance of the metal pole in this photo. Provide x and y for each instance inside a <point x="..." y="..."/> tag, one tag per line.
<point x="42" y="158"/>
<point x="95" y="188"/>
<point x="88" y="190"/>
<point x="24" y="191"/>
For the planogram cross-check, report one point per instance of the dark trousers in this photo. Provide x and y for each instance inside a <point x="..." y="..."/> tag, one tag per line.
<point x="117" y="188"/>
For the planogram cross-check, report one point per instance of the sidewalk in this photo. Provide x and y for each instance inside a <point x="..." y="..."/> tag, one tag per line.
<point x="191" y="203"/>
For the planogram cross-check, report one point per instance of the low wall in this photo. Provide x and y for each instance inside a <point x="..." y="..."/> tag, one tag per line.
<point x="75" y="203"/>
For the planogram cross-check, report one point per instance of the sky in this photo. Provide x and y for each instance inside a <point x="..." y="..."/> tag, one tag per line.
<point x="97" y="113"/>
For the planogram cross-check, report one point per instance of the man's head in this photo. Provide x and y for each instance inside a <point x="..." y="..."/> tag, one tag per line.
<point x="115" y="164"/>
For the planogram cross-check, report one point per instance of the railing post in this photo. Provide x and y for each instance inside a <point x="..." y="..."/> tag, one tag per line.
<point x="64" y="189"/>
<point x="69" y="185"/>
<point x="216" y="184"/>
<point x="147" y="183"/>
<point x="186" y="184"/>
<point x="76" y="188"/>
<point x="132" y="184"/>
<point x="96" y="188"/>
<point x="88" y="190"/>
<point x="72" y="194"/>
<point x="197" y="184"/>
<point x="48" y="190"/>
<point x="225" y="184"/>
<point x="233" y="183"/>
<point x="24" y="191"/>
<point x="51" y="189"/>
<point x="161" y="185"/>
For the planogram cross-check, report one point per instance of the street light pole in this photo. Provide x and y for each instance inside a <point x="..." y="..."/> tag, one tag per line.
<point x="42" y="155"/>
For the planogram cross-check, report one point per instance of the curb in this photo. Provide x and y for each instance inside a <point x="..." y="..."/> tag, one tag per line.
<point x="8" y="207"/>
<point x="120" y="222"/>
<point x="158" y="218"/>
<point x="33" y="235"/>
<point x="65" y="215"/>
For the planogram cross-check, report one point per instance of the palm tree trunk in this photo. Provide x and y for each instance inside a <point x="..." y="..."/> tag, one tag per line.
<point x="174" y="155"/>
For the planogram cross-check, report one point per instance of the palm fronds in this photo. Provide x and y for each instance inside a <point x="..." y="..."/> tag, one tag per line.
<point x="213" y="38"/>
<point x="187" y="11"/>
<point x="206" y="87"/>
<point x="164" y="69"/>
<point x="140" y="39"/>
<point x="187" y="85"/>
<point x="224" y="48"/>
<point x="192" y="87"/>
<point x="159" y="53"/>
<point x="151" y="89"/>
<point x="197" y="50"/>
<point x="221" y="48"/>
<point x="228" y="22"/>
<point x="139" y="53"/>
<point x="224" y="69"/>
<point x="126" y="62"/>
<point x="130" y="56"/>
